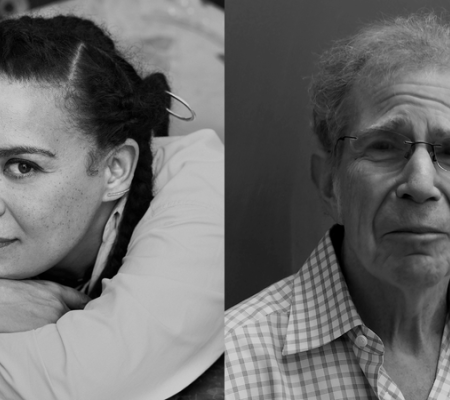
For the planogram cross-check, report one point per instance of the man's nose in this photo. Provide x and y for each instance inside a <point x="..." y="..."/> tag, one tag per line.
<point x="418" y="179"/>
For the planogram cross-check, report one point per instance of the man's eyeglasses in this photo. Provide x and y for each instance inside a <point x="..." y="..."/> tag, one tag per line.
<point x="392" y="150"/>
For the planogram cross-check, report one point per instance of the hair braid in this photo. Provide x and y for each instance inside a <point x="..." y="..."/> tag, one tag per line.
<point x="139" y="112"/>
<point x="141" y="190"/>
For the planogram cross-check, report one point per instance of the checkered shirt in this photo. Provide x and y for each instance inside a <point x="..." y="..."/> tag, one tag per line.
<point x="302" y="338"/>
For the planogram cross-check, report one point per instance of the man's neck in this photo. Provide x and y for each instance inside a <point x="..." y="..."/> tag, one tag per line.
<point x="408" y="319"/>
<point x="400" y="316"/>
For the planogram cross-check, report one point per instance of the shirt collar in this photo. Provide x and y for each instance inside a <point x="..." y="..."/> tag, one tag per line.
<point x="114" y="219"/>
<point x="108" y="239"/>
<point x="321" y="307"/>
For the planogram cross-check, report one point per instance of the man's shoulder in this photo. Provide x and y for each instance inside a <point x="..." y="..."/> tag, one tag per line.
<point x="275" y="299"/>
<point x="275" y="304"/>
<point x="255" y="333"/>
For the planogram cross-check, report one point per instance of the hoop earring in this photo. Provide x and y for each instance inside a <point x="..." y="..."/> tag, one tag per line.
<point x="118" y="193"/>
<point x="179" y="99"/>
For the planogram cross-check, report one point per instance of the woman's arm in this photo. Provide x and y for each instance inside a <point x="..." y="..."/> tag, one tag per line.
<point x="30" y="304"/>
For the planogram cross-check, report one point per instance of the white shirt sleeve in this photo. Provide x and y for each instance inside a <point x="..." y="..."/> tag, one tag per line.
<point x="158" y="324"/>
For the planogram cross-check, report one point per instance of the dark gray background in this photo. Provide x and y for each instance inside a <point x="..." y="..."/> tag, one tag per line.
<point x="273" y="215"/>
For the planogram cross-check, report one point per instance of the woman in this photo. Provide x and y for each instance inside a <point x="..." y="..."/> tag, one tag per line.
<point x="85" y="202"/>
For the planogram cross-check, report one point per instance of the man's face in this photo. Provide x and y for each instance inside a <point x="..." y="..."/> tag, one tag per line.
<point x="397" y="222"/>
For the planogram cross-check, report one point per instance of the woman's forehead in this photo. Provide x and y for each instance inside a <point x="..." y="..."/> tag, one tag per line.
<point x="32" y="114"/>
<point x="23" y="98"/>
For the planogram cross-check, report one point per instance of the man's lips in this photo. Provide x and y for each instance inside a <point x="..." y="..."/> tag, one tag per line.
<point x="5" y="242"/>
<point x="417" y="230"/>
<point x="415" y="233"/>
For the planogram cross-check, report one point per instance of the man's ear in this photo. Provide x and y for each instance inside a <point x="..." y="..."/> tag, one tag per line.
<point x="120" y="166"/>
<point x="321" y="175"/>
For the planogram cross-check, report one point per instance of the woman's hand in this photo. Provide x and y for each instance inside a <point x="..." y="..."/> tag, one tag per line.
<point x="30" y="304"/>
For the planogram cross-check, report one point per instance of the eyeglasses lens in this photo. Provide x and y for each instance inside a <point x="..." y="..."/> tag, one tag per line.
<point x="442" y="153"/>
<point x="388" y="149"/>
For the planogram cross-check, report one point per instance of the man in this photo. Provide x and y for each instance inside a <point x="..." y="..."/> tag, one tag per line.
<point x="366" y="315"/>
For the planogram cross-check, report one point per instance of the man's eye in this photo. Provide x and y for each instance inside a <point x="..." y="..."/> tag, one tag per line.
<point x="382" y="149"/>
<point x="443" y="149"/>
<point x="381" y="145"/>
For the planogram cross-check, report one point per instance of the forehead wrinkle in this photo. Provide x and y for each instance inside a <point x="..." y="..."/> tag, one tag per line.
<point x="407" y="96"/>
<point x="408" y="91"/>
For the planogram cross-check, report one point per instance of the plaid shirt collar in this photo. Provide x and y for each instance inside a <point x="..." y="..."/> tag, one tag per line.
<point x="321" y="306"/>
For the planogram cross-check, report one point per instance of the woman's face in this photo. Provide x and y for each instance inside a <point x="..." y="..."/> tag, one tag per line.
<point x="51" y="210"/>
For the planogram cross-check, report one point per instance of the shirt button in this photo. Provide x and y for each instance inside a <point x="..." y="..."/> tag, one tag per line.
<point x="361" y="341"/>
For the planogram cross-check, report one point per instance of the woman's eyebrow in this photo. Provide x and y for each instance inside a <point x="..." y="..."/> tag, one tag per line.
<point x="16" y="150"/>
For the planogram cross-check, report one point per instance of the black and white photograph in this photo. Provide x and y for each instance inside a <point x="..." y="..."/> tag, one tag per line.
<point x="112" y="200"/>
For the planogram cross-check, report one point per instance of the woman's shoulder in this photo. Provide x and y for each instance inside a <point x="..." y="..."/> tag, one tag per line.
<point x="184" y="225"/>
<point x="174" y="151"/>
<point x="188" y="170"/>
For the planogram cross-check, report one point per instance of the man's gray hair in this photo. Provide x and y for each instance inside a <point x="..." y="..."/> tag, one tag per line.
<point x="376" y="54"/>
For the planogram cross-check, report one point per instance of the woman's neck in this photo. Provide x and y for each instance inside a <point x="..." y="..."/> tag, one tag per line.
<point x="76" y="267"/>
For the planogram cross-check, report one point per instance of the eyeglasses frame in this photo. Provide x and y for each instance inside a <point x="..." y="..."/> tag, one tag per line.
<point x="408" y="153"/>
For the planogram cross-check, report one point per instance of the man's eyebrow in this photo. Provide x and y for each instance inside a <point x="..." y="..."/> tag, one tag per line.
<point x="441" y="133"/>
<point x="16" y="150"/>
<point x="400" y="123"/>
<point x="391" y="125"/>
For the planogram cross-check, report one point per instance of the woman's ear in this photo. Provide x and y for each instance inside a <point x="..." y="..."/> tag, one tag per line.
<point x="321" y="175"/>
<point x="120" y="166"/>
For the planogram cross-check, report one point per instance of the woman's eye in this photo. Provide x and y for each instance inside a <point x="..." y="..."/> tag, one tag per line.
<point x="20" y="169"/>
<point x="23" y="168"/>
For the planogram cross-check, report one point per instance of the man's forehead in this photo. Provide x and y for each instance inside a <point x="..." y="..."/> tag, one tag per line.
<point x="415" y="101"/>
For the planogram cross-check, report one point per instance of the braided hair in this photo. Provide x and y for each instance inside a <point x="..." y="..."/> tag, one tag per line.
<point x="107" y="99"/>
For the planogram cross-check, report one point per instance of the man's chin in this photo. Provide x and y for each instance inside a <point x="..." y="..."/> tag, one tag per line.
<point x="419" y="271"/>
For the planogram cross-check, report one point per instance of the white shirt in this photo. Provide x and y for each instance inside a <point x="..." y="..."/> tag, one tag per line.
<point x="158" y="324"/>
